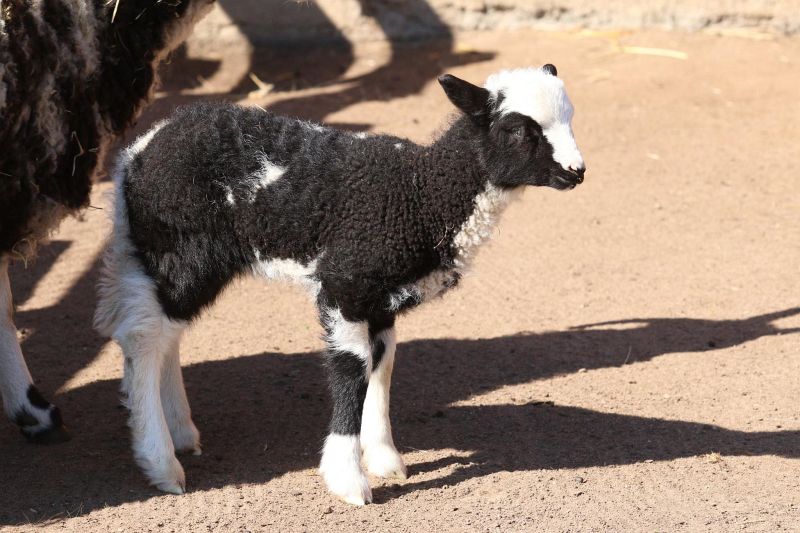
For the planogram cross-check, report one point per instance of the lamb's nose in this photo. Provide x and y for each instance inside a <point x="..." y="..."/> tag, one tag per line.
<point x="579" y="172"/>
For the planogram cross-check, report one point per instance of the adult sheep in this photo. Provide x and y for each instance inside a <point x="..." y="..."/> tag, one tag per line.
<point x="73" y="75"/>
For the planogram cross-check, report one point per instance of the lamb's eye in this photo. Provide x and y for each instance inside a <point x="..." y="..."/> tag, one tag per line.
<point x="519" y="132"/>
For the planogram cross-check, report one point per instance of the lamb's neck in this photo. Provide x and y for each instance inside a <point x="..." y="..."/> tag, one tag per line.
<point x="134" y="36"/>
<point x="462" y="203"/>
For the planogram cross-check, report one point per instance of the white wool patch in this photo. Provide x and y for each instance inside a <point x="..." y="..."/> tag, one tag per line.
<point x="541" y="96"/>
<point x="143" y="140"/>
<point x="288" y="270"/>
<point x="398" y="146"/>
<point x="229" y="196"/>
<point x="268" y="173"/>
<point x="422" y="290"/>
<point x="361" y="135"/>
<point x="346" y="336"/>
<point x="489" y="205"/>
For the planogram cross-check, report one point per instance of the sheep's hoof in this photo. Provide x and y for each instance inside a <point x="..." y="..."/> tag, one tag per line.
<point x="350" y="486"/>
<point x="384" y="461"/>
<point x="42" y="425"/>
<point x="186" y="439"/>
<point x="167" y="476"/>
<point x="54" y="435"/>
<point x="190" y="451"/>
<point x="172" y="488"/>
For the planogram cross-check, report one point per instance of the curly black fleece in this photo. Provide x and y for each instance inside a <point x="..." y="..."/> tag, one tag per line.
<point x="380" y="214"/>
<point x="39" y="41"/>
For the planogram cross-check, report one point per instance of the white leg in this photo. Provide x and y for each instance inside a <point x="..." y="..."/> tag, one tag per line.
<point x="185" y="436"/>
<point x="380" y="455"/>
<point x="39" y="420"/>
<point x="152" y="444"/>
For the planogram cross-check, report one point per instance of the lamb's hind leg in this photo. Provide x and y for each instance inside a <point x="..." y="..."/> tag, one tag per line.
<point x="380" y="455"/>
<point x="185" y="436"/>
<point x="39" y="420"/>
<point x="145" y="346"/>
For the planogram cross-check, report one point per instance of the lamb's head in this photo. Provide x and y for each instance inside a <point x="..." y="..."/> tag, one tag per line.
<point x="524" y="118"/>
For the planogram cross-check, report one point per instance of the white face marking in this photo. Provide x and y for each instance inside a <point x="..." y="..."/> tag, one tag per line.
<point x="541" y="96"/>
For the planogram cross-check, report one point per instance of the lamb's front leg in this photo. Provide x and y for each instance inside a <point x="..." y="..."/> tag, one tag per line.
<point x="39" y="420"/>
<point x="380" y="455"/>
<point x="349" y="360"/>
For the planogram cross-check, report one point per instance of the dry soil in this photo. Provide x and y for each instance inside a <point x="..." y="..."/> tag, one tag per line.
<point x="624" y="356"/>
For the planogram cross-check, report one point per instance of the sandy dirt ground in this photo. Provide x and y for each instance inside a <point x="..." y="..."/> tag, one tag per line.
<point x="624" y="356"/>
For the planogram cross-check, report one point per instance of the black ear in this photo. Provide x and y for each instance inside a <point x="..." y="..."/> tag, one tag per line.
<point x="550" y="69"/>
<point x="471" y="99"/>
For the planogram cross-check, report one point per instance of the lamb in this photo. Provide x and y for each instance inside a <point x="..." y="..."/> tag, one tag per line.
<point x="73" y="75"/>
<point x="372" y="226"/>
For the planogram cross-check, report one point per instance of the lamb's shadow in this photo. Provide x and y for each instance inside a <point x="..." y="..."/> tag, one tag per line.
<point x="265" y="415"/>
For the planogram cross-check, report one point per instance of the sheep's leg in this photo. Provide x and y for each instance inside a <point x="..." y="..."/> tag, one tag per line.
<point x="349" y="362"/>
<point x="185" y="436"/>
<point x="39" y="420"/>
<point x="380" y="455"/>
<point x="145" y="345"/>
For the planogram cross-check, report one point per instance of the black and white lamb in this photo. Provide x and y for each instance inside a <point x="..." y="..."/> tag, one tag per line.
<point x="73" y="75"/>
<point x="371" y="225"/>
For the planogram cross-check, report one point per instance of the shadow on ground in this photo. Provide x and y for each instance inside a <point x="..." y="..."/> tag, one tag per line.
<point x="265" y="415"/>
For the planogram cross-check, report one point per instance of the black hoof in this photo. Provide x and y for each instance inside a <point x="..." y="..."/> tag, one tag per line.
<point x="54" y="435"/>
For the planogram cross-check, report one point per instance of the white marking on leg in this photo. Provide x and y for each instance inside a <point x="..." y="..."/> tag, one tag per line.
<point x="152" y="444"/>
<point x="340" y="467"/>
<point x="346" y="336"/>
<point x="128" y="310"/>
<point x="380" y="455"/>
<point x="185" y="436"/>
